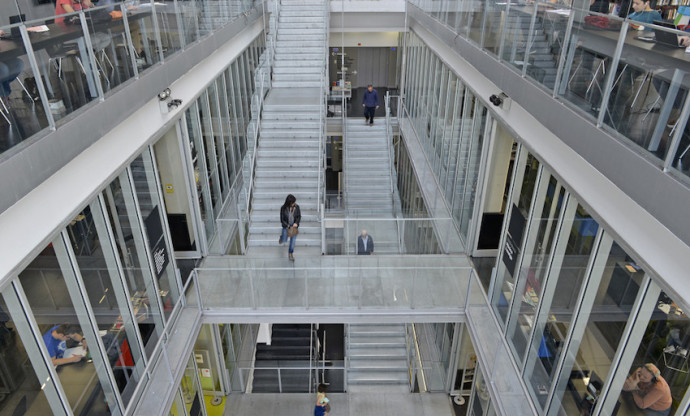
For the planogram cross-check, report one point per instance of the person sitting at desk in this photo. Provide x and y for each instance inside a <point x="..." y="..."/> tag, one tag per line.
<point x="644" y="12"/>
<point x="70" y="6"/>
<point x="9" y="71"/>
<point x="56" y="343"/>
<point x="649" y="391"/>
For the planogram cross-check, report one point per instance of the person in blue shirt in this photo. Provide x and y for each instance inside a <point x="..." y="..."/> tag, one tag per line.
<point x="55" y="341"/>
<point x="370" y="102"/>
<point x="644" y="12"/>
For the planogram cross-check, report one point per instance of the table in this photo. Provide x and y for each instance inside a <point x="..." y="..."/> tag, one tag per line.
<point x="337" y="93"/>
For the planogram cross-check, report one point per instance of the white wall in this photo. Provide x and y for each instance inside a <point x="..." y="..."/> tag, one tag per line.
<point x="364" y="39"/>
<point x="169" y="162"/>
<point x="498" y="170"/>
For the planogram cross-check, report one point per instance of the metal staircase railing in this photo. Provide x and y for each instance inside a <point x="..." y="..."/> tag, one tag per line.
<point x="323" y="104"/>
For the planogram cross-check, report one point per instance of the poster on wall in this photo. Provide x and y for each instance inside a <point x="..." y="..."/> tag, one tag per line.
<point x="511" y="250"/>
<point x="159" y="251"/>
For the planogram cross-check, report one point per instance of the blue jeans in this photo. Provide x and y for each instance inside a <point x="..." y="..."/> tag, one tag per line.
<point x="650" y="412"/>
<point x="9" y="71"/>
<point x="284" y="237"/>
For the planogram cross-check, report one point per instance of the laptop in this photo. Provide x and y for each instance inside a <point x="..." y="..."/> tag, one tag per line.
<point x="666" y="38"/>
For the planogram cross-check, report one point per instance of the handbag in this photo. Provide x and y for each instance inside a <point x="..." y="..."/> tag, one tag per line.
<point x="292" y="231"/>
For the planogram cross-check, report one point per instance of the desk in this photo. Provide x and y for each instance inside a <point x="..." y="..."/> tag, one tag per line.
<point x="337" y="93"/>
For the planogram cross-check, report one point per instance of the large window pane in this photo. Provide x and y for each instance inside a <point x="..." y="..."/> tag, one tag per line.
<point x="560" y="297"/>
<point x="109" y="300"/>
<point x="612" y="291"/>
<point x="21" y="389"/>
<point x="86" y="385"/>
<point x="152" y="213"/>
<point x="131" y="251"/>
<point x="664" y="347"/>
<point x="200" y="173"/>
<point x="525" y="182"/>
<point x="535" y="261"/>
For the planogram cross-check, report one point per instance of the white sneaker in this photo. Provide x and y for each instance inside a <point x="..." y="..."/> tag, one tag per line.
<point x="683" y="352"/>
<point x="670" y="349"/>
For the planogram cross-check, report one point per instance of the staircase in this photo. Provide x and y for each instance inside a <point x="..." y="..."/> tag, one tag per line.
<point x="290" y="347"/>
<point x="288" y="158"/>
<point x="377" y="355"/>
<point x="287" y="162"/>
<point x="368" y="170"/>
<point x="541" y="61"/>
<point x="216" y="13"/>
<point x="300" y="47"/>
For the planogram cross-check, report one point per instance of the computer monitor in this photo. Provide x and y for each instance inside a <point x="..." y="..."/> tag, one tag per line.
<point x="17" y="19"/>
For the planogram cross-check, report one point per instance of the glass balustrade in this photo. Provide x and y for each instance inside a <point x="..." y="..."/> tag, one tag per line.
<point x="55" y="66"/>
<point x="352" y="282"/>
<point x="629" y="77"/>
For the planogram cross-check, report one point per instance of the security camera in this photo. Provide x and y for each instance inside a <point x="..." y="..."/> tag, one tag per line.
<point x="500" y="100"/>
<point x="174" y="103"/>
<point x="164" y="95"/>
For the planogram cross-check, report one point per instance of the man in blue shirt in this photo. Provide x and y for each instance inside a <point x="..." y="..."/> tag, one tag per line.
<point x="370" y="102"/>
<point x="55" y="340"/>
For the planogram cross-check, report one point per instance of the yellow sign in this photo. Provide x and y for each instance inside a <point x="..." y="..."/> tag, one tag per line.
<point x="169" y="188"/>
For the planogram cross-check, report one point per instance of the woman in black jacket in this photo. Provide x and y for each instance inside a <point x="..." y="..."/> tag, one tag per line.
<point x="290" y="217"/>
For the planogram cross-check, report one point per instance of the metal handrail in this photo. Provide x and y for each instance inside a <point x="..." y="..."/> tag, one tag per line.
<point x="323" y="103"/>
<point x="311" y="352"/>
<point x="257" y="132"/>
<point x="389" y="143"/>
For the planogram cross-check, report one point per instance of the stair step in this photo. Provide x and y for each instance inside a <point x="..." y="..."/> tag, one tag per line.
<point x="299" y="84"/>
<point x="294" y="52"/>
<point x="281" y="124"/>
<point x="271" y="172"/>
<point x="379" y="353"/>
<point x="300" y="13"/>
<point x="257" y="229"/>
<point x="378" y="329"/>
<point x="378" y="377"/>
<point x="300" y="43"/>
<point x="399" y="364"/>
<point x="301" y="19"/>
<point x="273" y="241"/>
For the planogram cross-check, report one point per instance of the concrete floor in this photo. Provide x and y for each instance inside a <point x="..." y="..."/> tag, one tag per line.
<point x="342" y="404"/>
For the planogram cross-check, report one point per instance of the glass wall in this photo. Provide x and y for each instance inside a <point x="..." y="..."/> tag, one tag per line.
<point x="22" y="369"/>
<point x="132" y="255"/>
<point x="89" y="309"/>
<point x="216" y="130"/>
<point x="526" y="175"/>
<point x="656" y="375"/>
<point x="53" y="296"/>
<point x="586" y="326"/>
<point x="450" y="123"/>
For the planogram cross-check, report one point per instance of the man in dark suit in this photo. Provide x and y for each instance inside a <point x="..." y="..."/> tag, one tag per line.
<point x="365" y="244"/>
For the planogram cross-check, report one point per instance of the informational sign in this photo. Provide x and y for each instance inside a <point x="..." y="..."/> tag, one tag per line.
<point x="159" y="251"/>
<point x="169" y="188"/>
<point x="516" y="227"/>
